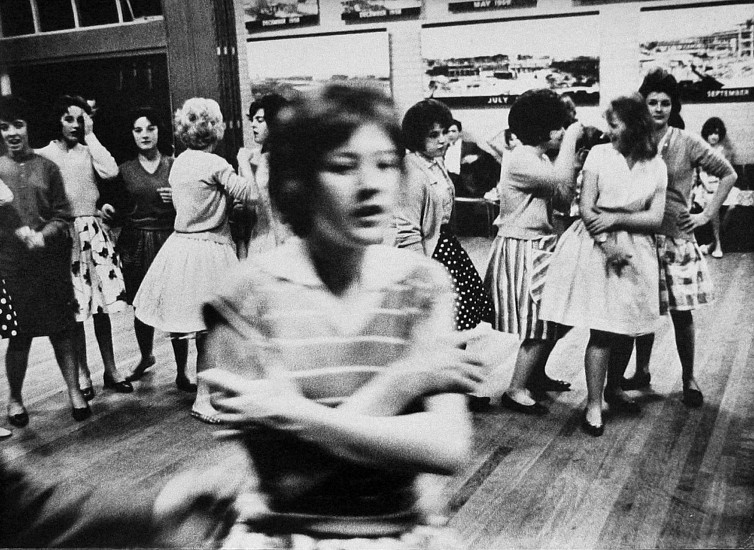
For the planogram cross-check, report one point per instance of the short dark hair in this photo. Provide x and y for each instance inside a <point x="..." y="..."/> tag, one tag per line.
<point x="14" y="108"/>
<point x="270" y="103"/>
<point x="535" y="114"/>
<point x="307" y="129"/>
<point x="164" y="135"/>
<point x="714" y="125"/>
<point x="632" y="111"/>
<point x="457" y="123"/>
<point x="61" y="106"/>
<point x="659" y="80"/>
<point x="419" y="120"/>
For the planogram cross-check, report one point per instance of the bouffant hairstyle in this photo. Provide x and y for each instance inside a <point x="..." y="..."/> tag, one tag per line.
<point x="271" y="104"/>
<point x="164" y="143"/>
<point x="61" y="106"/>
<point x="632" y="111"/>
<point x="714" y="126"/>
<point x="535" y="114"/>
<point x="419" y="120"/>
<point x="199" y="123"/>
<point x="457" y="124"/>
<point x="659" y="80"/>
<point x="14" y="108"/>
<point x="311" y="126"/>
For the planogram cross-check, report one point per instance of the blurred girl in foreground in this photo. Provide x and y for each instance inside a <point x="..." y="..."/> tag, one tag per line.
<point x="349" y="362"/>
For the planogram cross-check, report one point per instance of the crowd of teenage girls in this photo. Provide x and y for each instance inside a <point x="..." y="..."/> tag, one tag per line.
<point x="296" y="339"/>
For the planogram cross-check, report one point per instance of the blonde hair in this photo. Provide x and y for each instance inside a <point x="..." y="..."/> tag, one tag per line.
<point x="199" y="123"/>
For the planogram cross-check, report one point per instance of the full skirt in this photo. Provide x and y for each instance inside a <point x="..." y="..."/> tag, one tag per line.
<point x="583" y="290"/>
<point x="181" y="279"/>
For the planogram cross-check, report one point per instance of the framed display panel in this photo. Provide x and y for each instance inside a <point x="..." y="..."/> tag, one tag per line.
<point x="276" y="14"/>
<point x="711" y="54"/>
<point x="492" y="63"/>
<point x="379" y="10"/>
<point x="286" y="65"/>
<point x="482" y="5"/>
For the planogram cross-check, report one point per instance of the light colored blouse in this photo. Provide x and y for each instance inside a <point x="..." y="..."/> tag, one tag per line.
<point x="204" y="186"/>
<point x="79" y="166"/>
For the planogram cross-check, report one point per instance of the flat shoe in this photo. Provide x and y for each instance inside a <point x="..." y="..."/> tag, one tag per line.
<point x="5" y="433"/>
<point x="19" y="420"/>
<point x="717" y="253"/>
<point x="140" y="369"/>
<point x="81" y="414"/>
<point x="184" y="384"/>
<point x="692" y="398"/>
<point x="591" y="429"/>
<point x="124" y="386"/>
<point x="206" y="418"/>
<point x="536" y="409"/>
<point x="619" y="402"/>
<point x="548" y="384"/>
<point x="479" y="404"/>
<point x="88" y="393"/>
<point x="638" y="381"/>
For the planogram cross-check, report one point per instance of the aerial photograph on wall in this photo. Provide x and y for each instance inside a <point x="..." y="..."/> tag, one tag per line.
<point x="711" y="54"/>
<point x="493" y="63"/>
<point x="290" y="65"/>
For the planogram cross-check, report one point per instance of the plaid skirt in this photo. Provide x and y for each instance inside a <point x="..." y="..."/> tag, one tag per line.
<point x="685" y="282"/>
<point x="516" y="273"/>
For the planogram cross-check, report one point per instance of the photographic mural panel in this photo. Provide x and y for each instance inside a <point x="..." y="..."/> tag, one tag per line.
<point x="711" y="54"/>
<point x="289" y="65"/>
<point x="262" y="15"/>
<point x="379" y="10"/>
<point x="480" y="64"/>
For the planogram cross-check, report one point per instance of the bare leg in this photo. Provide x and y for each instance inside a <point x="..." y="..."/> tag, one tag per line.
<point x="532" y="356"/>
<point x="145" y="338"/>
<point x="685" y="339"/>
<point x="63" y="345"/>
<point x="16" y="362"/>
<point x="716" y="232"/>
<point x="202" y="404"/>
<point x="104" y="333"/>
<point x="79" y="348"/>
<point x="596" y="360"/>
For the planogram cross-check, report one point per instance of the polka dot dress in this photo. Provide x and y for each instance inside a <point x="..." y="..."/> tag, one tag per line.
<point x="473" y="304"/>
<point x="8" y="324"/>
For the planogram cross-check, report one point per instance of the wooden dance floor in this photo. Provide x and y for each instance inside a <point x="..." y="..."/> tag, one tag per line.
<point x="672" y="477"/>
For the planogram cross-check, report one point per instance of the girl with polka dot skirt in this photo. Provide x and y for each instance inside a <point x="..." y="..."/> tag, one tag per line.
<point x="425" y="207"/>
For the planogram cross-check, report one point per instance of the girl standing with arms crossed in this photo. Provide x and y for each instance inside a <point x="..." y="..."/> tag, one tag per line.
<point x="604" y="272"/>
<point x="351" y="376"/>
<point x="529" y="182"/>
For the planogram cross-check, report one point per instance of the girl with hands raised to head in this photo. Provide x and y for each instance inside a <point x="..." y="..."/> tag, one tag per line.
<point x="349" y="379"/>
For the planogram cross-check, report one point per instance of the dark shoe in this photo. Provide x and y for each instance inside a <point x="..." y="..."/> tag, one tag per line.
<point x="120" y="387"/>
<point x="591" y="429"/>
<point x="621" y="403"/>
<point x="184" y="384"/>
<point x="538" y="385"/>
<point x="81" y="414"/>
<point x="88" y="393"/>
<point x="479" y="404"/>
<point x="140" y="369"/>
<point x="692" y="398"/>
<point x="536" y="409"/>
<point x="639" y="381"/>
<point x="19" y="420"/>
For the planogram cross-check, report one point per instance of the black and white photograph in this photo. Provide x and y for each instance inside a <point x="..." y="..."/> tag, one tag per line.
<point x="276" y="14"/>
<point x="711" y="55"/>
<point x="379" y="10"/>
<point x="484" y="64"/>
